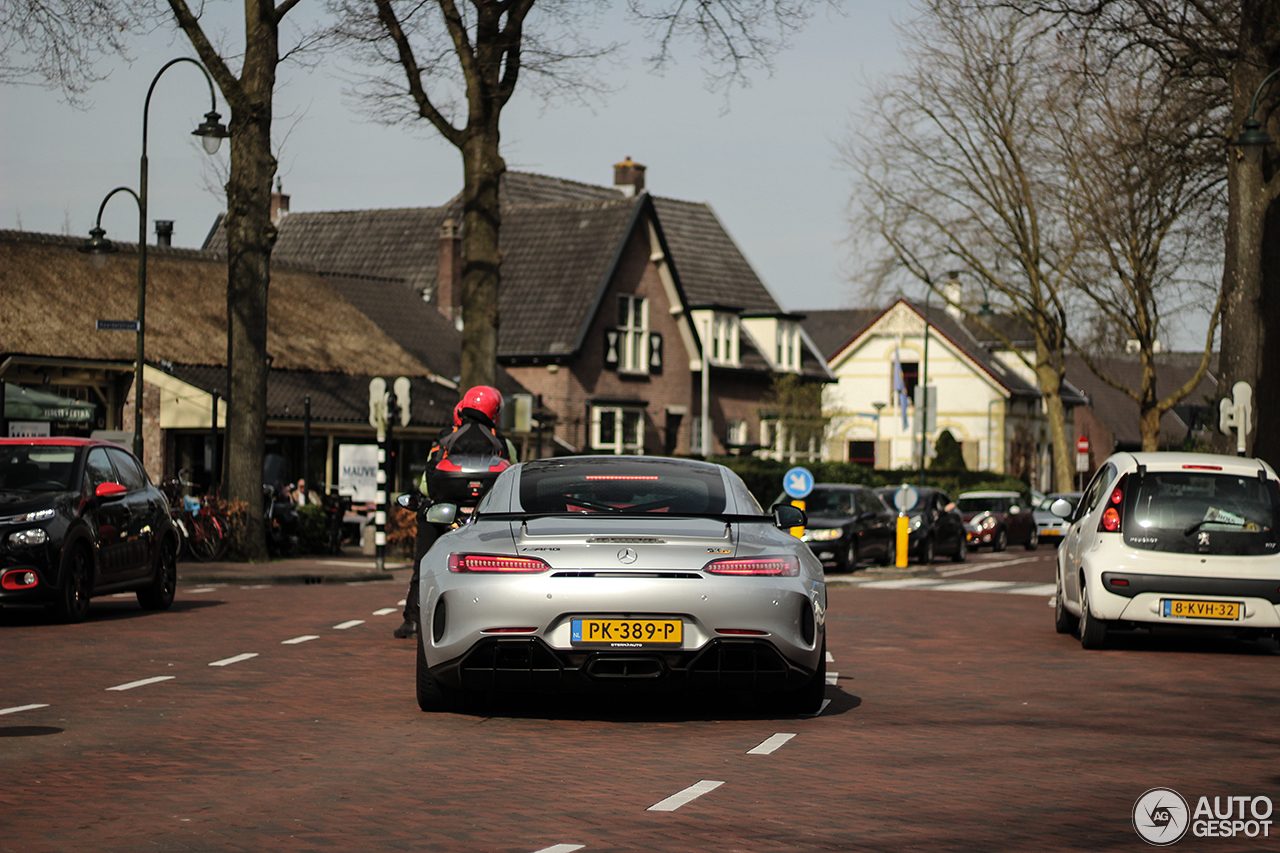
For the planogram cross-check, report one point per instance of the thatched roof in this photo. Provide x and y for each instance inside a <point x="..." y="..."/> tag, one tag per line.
<point x="51" y="297"/>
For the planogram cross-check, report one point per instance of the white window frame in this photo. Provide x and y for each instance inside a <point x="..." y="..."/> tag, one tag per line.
<point x="620" y="416"/>
<point x="725" y="340"/>
<point x="787" y="346"/>
<point x="736" y="432"/>
<point x="633" y="334"/>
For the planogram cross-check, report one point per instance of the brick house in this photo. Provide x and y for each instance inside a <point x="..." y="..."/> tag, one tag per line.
<point x="610" y="299"/>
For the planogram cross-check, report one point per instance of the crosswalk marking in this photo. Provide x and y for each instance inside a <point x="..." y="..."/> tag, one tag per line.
<point x="939" y="584"/>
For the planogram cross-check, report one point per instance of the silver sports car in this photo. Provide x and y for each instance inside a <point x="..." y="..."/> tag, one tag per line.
<point x="622" y="573"/>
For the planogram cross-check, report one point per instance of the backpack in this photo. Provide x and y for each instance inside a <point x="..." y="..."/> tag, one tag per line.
<point x="464" y="463"/>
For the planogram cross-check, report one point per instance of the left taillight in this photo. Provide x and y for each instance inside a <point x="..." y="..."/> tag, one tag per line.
<point x="1110" y="521"/>
<point x="778" y="567"/>
<point x="495" y="563"/>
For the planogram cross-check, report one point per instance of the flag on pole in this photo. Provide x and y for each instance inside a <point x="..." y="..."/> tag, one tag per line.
<point x="900" y="387"/>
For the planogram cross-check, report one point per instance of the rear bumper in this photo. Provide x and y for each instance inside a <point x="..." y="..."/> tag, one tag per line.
<point x="530" y="665"/>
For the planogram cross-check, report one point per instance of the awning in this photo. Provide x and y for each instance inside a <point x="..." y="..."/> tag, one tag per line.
<point x="28" y="404"/>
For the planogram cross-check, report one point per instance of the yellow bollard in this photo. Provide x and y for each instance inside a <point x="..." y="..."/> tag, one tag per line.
<point x="904" y="530"/>
<point x="797" y="531"/>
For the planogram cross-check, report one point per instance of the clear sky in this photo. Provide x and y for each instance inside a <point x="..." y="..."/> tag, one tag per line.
<point x="767" y="165"/>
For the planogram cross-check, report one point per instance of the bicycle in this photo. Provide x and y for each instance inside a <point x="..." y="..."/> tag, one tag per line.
<point x="204" y="532"/>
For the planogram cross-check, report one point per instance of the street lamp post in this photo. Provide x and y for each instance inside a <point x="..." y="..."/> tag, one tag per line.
<point x="923" y="408"/>
<point x="212" y="132"/>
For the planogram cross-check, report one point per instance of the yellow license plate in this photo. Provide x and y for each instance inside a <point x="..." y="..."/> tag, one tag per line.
<point x="1183" y="608"/>
<point x="627" y="633"/>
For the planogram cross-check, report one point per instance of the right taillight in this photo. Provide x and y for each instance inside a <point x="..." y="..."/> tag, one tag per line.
<point x="1110" y="521"/>
<point x="783" y="566"/>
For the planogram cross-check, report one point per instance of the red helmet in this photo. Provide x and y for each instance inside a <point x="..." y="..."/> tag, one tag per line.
<point x="482" y="403"/>
<point x="457" y="415"/>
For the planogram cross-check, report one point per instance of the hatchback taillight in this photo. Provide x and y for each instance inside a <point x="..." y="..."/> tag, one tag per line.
<point x="1110" y="522"/>
<point x="493" y="563"/>
<point x="786" y="567"/>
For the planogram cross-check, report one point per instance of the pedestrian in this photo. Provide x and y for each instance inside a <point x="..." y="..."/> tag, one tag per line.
<point x="474" y="430"/>
<point x="303" y="496"/>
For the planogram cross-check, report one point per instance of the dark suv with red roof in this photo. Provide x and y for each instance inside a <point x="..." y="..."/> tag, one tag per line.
<point x="78" y="519"/>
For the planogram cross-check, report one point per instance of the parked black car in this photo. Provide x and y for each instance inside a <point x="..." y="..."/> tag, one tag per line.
<point x="847" y="525"/>
<point x="78" y="519"/>
<point x="935" y="526"/>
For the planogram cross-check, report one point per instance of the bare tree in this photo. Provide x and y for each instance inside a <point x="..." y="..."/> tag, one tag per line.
<point x="954" y="171"/>
<point x="250" y="237"/>
<point x="1142" y="158"/>
<point x="458" y="65"/>
<point x="1228" y="46"/>
<point x="57" y="43"/>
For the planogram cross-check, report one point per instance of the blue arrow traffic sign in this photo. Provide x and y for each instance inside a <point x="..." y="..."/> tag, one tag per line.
<point x="797" y="482"/>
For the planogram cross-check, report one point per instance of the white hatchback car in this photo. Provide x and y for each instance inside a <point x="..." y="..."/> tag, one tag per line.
<point x="1186" y="539"/>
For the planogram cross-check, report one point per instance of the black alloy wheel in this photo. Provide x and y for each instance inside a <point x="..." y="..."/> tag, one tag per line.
<point x="1033" y="541"/>
<point x="76" y="586"/>
<point x="808" y="699"/>
<point x="432" y="695"/>
<point x="848" y="562"/>
<point x="962" y="549"/>
<point x="924" y="551"/>
<point x="1001" y="540"/>
<point x="890" y="557"/>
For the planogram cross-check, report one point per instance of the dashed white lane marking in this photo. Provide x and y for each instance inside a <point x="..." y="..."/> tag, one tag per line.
<point x="258" y="586"/>
<point x="124" y="595"/>
<point x="235" y="659"/>
<point x="400" y="603"/>
<point x="770" y="744"/>
<point x="350" y="623"/>
<point x="830" y="659"/>
<point x="201" y="589"/>
<point x="301" y="639"/>
<point x="688" y="795"/>
<point x="832" y="676"/>
<point x="938" y="585"/>
<point x="15" y="709"/>
<point x="561" y="848"/>
<point x="821" y="708"/>
<point x="982" y="567"/>
<point x="385" y="611"/>
<point x="143" y="682"/>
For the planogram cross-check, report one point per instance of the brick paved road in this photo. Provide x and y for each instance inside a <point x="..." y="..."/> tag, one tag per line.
<point x="960" y="721"/>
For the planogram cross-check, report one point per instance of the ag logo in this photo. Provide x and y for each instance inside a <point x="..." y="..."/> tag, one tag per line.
<point x="1161" y="816"/>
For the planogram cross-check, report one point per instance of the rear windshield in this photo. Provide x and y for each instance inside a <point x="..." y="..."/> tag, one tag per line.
<point x="983" y="504"/>
<point x="37" y="468"/>
<point x="639" y="486"/>
<point x="1202" y="513"/>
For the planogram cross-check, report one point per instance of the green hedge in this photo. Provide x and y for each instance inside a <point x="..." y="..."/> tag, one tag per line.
<point x="313" y="529"/>
<point x="764" y="477"/>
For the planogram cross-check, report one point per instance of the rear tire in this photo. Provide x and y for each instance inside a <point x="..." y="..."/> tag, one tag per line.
<point x="962" y="549"/>
<point x="432" y="695"/>
<point x="924" y="552"/>
<point x="76" y="585"/>
<point x="1093" y="631"/>
<point x="890" y="552"/>
<point x="1001" y="540"/>
<point x="1033" y="541"/>
<point x="159" y="595"/>
<point x="808" y="699"/>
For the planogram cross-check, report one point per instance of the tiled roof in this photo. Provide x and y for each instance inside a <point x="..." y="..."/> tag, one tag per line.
<point x="335" y="397"/>
<point x="1119" y="412"/>
<point x="711" y="268"/>
<point x="555" y="259"/>
<point x="832" y="329"/>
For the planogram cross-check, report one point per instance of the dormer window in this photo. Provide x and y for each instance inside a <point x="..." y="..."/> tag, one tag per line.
<point x="788" y="346"/>
<point x="724" y="340"/>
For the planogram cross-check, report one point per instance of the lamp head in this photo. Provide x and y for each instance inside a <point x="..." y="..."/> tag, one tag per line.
<point x="985" y="310"/>
<point x="211" y="132"/>
<point x="97" y="247"/>
<point x="1252" y="134"/>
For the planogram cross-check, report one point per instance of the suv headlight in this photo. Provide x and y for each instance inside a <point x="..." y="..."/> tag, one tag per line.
<point x="822" y="534"/>
<point x="915" y="522"/>
<point x="27" y="538"/>
<point x="38" y="515"/>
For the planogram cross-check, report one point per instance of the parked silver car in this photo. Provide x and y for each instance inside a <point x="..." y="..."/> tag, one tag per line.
<point x="622" y="573"/>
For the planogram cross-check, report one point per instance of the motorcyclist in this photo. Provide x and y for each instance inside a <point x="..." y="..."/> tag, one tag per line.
<point x="476" y="413"/>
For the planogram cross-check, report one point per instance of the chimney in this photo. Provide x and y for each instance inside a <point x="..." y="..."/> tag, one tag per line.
<point x="628" y="176"/>
<point x="164" y="232"/>
<point x="449" y="278"/>
<point x="279" y="203"/>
